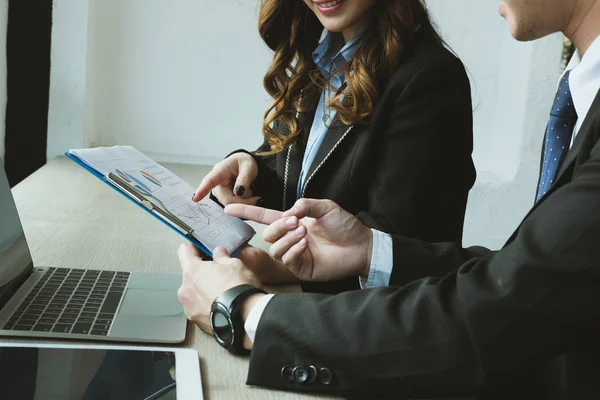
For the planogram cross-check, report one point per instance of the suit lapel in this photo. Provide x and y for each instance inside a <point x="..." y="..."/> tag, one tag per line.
<point x="296" y="151"/>
<point x="292" y="173"/>
<point x="582" y="136"/>
<point x="334" y="134"/>
<point x="575" y="150"/>
<point x="583" y="133"/>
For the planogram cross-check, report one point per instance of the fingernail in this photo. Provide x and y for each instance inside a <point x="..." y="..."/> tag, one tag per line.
<point x="239" y="191"/>
<point x="299" y="230"/>
<point x="260" y="202"/>
<point x="291" y="222"/>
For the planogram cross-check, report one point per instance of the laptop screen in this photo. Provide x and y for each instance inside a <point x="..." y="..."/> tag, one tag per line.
<point x="14" y="252"/>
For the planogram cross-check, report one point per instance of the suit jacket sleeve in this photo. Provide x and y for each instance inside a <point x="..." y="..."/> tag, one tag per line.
<point x="424" y="164"/>
<point x="534" y="299"/>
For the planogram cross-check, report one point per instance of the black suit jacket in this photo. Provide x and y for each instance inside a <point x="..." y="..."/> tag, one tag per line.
<point x="519" y="323"/>
<point x="407" y="170"/>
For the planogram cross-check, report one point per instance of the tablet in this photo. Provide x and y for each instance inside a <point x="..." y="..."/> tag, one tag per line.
<point x="94" y="372"/>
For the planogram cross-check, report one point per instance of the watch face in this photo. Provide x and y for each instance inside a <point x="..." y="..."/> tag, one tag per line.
<point x="221" y="326"/>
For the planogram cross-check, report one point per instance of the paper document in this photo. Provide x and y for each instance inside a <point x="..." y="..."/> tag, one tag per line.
<point x="210" y="225"/>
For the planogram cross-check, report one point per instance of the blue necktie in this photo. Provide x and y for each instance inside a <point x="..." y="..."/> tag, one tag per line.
<point x="558" y="134"/>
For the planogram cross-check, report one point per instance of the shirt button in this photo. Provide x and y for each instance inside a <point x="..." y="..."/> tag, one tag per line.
<point x="300" y="374"/>
<point x="287" y="373"/>
<point x="312" y="374"/>
<point x="325" y="376"/>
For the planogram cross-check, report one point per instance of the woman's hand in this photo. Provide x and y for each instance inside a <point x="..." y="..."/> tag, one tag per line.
<point x="230" y="180"/>
<point x="266" y="268"/>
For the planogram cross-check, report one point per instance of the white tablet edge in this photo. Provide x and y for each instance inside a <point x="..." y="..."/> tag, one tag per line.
<point x="187" y="363"/>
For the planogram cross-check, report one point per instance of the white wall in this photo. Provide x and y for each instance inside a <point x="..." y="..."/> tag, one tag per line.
<point x="3" y="25"/>
<point x="182" y="81"/>
<point x="163" y="77"/>
<point x="68" y="77"/>
<point x="513" y="86"/>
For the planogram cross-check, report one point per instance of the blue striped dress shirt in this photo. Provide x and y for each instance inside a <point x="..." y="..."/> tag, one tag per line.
<point x="330" y="55"/>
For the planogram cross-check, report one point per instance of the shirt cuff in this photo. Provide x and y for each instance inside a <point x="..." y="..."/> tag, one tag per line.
<point x="254" y="317"/>
<point x="382" y="262"/>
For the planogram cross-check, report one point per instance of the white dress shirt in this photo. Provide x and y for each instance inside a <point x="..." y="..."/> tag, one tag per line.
<point x="382" y="260"/>
<point x="584" y="82"/>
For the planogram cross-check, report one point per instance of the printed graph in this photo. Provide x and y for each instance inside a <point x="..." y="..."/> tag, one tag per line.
<point x="198" y="213"/>
<point x="207" y="219"/>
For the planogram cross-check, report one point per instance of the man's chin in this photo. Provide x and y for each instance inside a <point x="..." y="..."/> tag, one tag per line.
<point x="516" y="30"/>
<point x="524" y="36"/>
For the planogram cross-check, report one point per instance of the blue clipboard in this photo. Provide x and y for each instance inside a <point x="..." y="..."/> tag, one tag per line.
<point x="173" y="226"/>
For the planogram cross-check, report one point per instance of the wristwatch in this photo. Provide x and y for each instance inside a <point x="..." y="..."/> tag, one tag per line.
<point x="226" y="319"/>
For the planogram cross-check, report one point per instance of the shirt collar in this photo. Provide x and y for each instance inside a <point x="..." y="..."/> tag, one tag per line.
<point x="584" y="80"/>
<point x="332" y="53"/>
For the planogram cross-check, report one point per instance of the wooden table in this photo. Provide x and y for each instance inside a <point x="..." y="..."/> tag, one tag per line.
<point x="71" y="219"/>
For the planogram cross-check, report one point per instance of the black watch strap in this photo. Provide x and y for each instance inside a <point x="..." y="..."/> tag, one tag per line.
<point x="231" y="300"/>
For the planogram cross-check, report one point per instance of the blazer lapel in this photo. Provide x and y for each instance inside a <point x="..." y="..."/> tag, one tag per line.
<point x="575" y="150"/>
<point x="582" y="136"/>
<point x="295" y="154"/>
<point x="334" y="135"/>
<point x="293" y="166"/>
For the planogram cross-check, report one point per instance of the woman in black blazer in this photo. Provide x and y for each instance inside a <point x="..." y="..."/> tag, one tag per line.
<point x="396" y="153"/>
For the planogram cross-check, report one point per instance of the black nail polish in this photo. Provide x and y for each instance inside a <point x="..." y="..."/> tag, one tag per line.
<point x="239" y="191"/>
<point x="260" y="202"/>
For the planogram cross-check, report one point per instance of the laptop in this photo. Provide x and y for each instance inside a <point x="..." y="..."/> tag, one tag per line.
<point x="66" y="303"/>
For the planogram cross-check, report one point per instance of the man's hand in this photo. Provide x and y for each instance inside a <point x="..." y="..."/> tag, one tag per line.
<point x="204" y="281"/>
<point x="316" y="239"/>
<point x="266" y="268"/>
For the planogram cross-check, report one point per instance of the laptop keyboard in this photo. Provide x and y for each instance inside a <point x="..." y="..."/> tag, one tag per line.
<point x="71" y="301"/>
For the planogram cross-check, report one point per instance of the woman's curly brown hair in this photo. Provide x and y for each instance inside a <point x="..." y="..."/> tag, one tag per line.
<point x="293" y="31"/>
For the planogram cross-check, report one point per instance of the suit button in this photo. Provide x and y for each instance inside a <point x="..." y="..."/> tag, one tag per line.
<point x="300" y="374"/>
<point x="287" y="373"/>
<point x="312" y="374"/>
<point x="325" y="376"/>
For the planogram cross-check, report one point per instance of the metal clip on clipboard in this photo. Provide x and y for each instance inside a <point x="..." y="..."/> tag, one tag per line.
<point x="163" y="214"/>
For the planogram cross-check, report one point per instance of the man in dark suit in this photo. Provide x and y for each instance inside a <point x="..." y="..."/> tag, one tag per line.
<point x="519" y="323"/>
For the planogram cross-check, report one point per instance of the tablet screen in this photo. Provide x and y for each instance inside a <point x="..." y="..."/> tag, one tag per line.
<point x="31" y="373"/>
